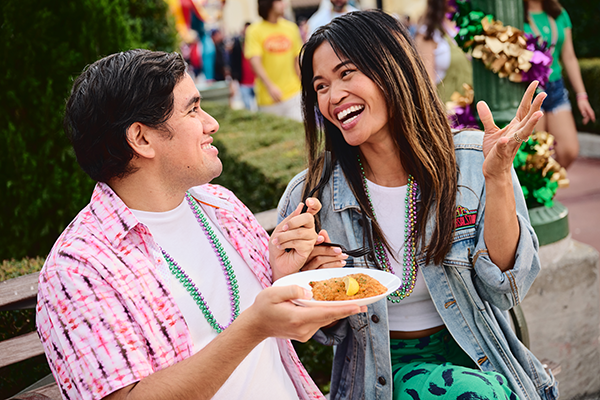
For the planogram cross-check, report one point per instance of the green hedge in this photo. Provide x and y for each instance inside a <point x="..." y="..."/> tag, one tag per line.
<point x="43" y="45"/>
<point x="590" y="72"/>
<point x="260" y="154"/>
<point x="584" y="17"/>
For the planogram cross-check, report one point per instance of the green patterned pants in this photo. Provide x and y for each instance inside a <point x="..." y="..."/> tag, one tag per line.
<point x="435" y="368"/>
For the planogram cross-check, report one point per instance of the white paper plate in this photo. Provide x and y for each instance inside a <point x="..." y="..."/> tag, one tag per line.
<point x="391" y="281"/>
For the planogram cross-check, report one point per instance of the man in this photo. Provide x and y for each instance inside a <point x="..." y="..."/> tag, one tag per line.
<point x="328" y="10"/>
<point x="155" y="290"/>
<point x="272" y="46"/>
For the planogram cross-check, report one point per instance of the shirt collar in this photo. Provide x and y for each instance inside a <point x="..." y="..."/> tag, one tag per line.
<point x="113" y="216"/>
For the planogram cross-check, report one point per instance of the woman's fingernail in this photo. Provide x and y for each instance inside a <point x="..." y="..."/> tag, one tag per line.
<point x="307" y="293"/>
<point x="285" y="228"/>
<point x="337" y="250"/>
<point x="275" y="241"/>
<point x="309" y="202"/>
<point x="343" y="262"/>
<point x="320" y="239"/>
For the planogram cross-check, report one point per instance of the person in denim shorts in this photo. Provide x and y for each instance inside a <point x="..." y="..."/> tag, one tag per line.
<point x="549" y="21"/>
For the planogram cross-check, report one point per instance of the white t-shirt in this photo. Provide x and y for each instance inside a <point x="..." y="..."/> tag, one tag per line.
<point x="261" y="375"/>
<point x="417" y="311"/>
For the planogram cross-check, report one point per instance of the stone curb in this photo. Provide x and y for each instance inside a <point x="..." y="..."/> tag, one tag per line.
<point x="589" y="145"/>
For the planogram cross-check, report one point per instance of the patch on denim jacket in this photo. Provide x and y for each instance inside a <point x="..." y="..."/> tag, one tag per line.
<point x="465" y="218"/>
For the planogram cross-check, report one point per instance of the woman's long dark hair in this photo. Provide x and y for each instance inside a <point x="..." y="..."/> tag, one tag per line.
<point x="550" y="7"/>
<point x="381" y="48"/>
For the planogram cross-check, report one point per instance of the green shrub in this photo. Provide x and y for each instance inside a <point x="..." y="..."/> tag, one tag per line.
<point x="43" y="45"/>
<point x="590" y="72"/>
<point x="260" y="154"/>
<point x="584" y="17"/>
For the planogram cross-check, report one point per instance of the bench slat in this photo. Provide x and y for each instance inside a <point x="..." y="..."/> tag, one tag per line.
<point x="16" y="291"/>
<point x="44" y="389"/>
<point x="20" y="348"/>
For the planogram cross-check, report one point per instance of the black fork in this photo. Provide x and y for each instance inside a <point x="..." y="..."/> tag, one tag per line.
<point x="361" y="251"/>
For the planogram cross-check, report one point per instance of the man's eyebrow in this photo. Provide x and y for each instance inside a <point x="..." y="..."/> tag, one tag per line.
<point x="335" y="69"/>
<point x="192" y="101"/>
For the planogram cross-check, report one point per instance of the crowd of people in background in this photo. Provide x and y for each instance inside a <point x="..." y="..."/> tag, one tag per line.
<point x="260" y="64"/>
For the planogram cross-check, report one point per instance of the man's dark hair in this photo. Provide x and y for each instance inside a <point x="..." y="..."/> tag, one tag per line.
<point x="112" y="94"/>
<point x="264" y="6"/>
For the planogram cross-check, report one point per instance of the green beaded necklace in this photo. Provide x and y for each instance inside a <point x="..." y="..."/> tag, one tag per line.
<point x="409" y="261"/>
<point x="190" y="286"/>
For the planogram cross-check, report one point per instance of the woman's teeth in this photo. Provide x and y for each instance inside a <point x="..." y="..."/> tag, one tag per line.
<point x="343" y="114"/>
<point x="350" y="119"/>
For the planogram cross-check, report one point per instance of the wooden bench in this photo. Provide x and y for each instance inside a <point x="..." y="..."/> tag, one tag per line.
<point x="18" y="294"/>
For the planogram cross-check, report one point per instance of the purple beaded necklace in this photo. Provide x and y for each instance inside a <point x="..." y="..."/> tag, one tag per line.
<point x="190" y="286"/>
<point x="409" y="262"/>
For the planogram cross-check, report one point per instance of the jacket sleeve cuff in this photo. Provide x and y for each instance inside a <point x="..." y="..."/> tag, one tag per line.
<point x="507" y="289"/>
<point x="334" y="335"/>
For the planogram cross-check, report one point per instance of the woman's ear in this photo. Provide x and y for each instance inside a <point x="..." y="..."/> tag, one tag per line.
<point x="140" y="138"/>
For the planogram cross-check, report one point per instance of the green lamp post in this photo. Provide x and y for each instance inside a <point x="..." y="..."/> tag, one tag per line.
<point x="503" y="96"/>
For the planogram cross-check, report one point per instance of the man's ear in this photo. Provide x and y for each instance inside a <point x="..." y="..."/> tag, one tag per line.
<point x="140" y="139"/>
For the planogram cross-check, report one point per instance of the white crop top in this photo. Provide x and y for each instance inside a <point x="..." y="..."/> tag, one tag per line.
<point x="416" y="312"/>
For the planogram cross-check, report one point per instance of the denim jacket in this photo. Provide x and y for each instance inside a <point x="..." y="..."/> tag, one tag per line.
<point x="470" y="293"/>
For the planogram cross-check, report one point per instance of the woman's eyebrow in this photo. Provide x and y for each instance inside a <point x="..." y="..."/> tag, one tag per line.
<point x="335" y="69"/>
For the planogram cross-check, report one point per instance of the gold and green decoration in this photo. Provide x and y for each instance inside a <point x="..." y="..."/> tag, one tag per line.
<point x="505" y="50"/>
<point x="540" y="175"/>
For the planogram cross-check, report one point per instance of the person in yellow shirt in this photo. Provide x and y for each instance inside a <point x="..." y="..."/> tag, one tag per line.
<point x="272" y="46"/>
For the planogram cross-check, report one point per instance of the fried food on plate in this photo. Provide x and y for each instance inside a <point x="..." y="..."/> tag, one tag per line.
<point x="342" y="288"/>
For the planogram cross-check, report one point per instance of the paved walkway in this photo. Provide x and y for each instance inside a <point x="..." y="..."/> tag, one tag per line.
<point x="582" y="198"/>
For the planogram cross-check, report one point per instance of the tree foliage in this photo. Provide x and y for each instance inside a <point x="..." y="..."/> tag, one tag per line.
<point x="584" y="17"/>
<point x="44" y="44"/>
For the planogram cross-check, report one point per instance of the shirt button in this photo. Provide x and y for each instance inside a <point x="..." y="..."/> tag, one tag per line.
<point x="375" y="318"/>
<point x="382" y="380"/>
<point x="370" y="257"/>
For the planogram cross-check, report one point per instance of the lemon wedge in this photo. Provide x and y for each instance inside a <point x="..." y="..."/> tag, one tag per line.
<point x="351" y="285"/>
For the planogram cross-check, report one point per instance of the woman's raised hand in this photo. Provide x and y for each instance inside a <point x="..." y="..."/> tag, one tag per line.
<point x="500" y="145"/>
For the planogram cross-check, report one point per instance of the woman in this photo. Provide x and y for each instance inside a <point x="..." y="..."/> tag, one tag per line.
<point x="548" y="20"/>
<point x="446" y="63"/>
<point x="368" y="100"/>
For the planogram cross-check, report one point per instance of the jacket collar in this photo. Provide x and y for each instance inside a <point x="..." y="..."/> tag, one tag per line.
<point x="343" y="197"/>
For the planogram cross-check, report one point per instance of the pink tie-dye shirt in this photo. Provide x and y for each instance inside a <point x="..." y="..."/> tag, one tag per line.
<point x="104" y="314"/>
